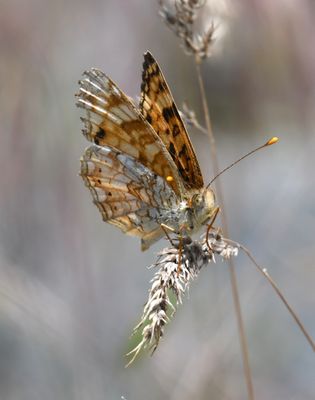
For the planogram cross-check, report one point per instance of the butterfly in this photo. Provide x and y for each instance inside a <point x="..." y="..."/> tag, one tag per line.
<point x="141" y="169"/>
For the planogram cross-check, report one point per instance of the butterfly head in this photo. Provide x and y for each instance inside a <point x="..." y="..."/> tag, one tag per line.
<point x="200" y="208"/>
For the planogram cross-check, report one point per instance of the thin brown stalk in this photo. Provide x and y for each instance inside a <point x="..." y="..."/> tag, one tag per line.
<point x="236" y="300"/>
<point x="265" y="273"/>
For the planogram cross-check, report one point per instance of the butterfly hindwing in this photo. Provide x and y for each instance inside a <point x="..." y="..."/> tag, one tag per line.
<point x="139" y="226"/>
<point x="126" y="192"/>
<point x="158" y="108"/>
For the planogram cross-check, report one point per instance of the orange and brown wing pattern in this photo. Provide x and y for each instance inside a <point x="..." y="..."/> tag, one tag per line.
<point x="159" y="109"/>
<point x="113" y="120"/>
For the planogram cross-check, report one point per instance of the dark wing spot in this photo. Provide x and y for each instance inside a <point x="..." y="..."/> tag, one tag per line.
<point x="149" y="118"/>
<point x="167" y="113"/>
<point x="161" y="87"/>
<point x="183" y="151"/>
<point x="176" y="130"/>
<point x="148" y="60"/>
<point x="172" y="150"/>
<point x="144" y="75"/>
<point x="109" y="193"/>
<point x="99" y="181"/>
<point x="167" y="131"/>
<point x="183" y="172"/>
<point x="101" y="133"/>
<point x="153" y="73"/>
<point x="175" y="111"/>
<point x="96" y="141"/>
<point x="100" y="170"/>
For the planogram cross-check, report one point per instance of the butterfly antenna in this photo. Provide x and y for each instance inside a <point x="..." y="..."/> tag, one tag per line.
<point x="269" y="143"/>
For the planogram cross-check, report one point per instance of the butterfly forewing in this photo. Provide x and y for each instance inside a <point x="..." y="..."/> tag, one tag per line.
<point x="158" y="107"/>
<point x="113" y="120"/>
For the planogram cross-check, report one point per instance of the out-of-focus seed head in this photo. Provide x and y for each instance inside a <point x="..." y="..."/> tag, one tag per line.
<point x="181" y="19"/>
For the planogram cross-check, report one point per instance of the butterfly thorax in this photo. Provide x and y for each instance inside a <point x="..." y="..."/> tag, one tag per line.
<point x="188" y="215"/>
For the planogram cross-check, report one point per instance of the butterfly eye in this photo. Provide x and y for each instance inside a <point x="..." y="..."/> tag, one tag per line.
<point x="197" y="199"/>
<point x="195" y="204"/>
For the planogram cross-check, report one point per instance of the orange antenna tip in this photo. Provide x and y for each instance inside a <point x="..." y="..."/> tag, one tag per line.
<point x="169" y="178"/>
<point x="271" y="141"/>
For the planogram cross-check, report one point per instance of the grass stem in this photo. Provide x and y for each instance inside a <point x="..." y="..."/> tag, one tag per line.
<point x="233" y="280"/>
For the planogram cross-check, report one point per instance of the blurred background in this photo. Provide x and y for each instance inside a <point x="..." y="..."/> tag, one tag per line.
<point x="73" y="287"/>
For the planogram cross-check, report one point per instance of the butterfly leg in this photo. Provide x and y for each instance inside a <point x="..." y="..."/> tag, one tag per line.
<point x="210" y="226"/>
<point x="167" y="228"/>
